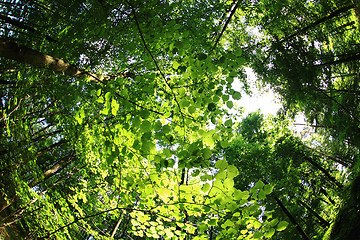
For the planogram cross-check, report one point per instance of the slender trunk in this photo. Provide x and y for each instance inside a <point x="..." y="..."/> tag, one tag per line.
<point x="340" y="104"/>
<point x="117" y="225"/>
<point x="325" y="172"/>
<point x="41" y="137"/>
<point x="18" y="214"/>
<point x="291" y="218"/>
<point x="335" y="159"/>
<point x="323" y="191"/>
<point x="51" y="147"/>
<point x="22" y="25"/>
<point x="348" y="58"/>
<point x="22" y="54"/>
<point x="51" y="171"/>
<point x="233" y="10"/>
<point x="319" y="21"/>
<point x="48" y="173"/>
<point x="321" y="220"/>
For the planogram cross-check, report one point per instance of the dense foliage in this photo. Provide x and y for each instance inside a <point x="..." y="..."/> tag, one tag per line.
<point x="115" y="124"/>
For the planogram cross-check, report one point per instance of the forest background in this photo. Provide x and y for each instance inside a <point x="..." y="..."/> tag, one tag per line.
<point x="119" y="119"/>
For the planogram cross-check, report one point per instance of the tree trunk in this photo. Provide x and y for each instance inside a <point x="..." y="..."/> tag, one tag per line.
<point x="11" y="50"/>
<point x="22" y="25"/>
<point x="321" y="220"/>
<point x="52" y="146"/>
<point x="335" y="159"/>
<point x="51" y="171"/>
<point x="326" y="173"/>
<point x="347" y="58"/>
<point x="319" y="21"/>
<point x="291" y="218"/>
<point x="117" y="225"/>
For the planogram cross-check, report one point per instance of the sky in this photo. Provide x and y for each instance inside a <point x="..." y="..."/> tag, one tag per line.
<point x="265" y="101"/>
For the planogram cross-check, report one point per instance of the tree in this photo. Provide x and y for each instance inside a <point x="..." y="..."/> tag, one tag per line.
<point x="106" y="108"/>
<point x="302" y="181"/>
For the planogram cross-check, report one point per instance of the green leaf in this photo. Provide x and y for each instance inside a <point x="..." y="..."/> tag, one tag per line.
<point x="229" y="104"/>
<point x="232" y="171"/>
<point x="236" y="95"/>
<point x="211" y="107"/>
<point x="282" y="226"/>
<point x="257" y="224"/>
<point x="146" y="126"/>
<point x="270" y="233"/>
<point x="227" y="223"/>
<point x="257" y="235"/>
<point x="207" y="153"/>
<point x="259" y="185"/>
<point x="221" y="164"/>
<point x="202" y="227"/>
<point x="191" y="109"/>
<point x="228" y="123"/>
<point x="206" y="187"/>
<point x="268" y="188"/>
<point x="213" y="222"/>
<point x="114" y="107"/>
<point x="176" y="65"/>
<point x="274" y="222"/>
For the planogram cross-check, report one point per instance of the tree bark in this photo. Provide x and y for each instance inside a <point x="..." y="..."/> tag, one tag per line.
<point x="22" y="25"/>
<point x="319" y="21"/>
<point x="321" y="220"/>
<point x="335" y="159"/>
<point x="326" y="173"/>
<point x="117" y="225"/>
<point x="11" y="50"/>
<point x="51" y="171"/>
<point x="291" y="218"/>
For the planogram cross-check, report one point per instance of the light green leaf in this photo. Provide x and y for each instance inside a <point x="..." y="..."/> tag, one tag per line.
<point x="114" y="107"/>
<point x="268" y="188"/>
<point x="206" y="187"/>
<point x="282" y="226"/>
<point x="270" y="233"/>
<point x="228" y="123"/>
<point x="259" y="185"/>
<point x="221" y="164"/>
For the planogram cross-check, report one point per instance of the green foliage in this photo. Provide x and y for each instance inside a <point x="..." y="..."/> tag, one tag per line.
<point x="297" y="178"/>
<point x="123" y="148"/>
<point x="127" y="143"/>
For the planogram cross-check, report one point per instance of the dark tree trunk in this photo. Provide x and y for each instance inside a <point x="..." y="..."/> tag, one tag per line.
<point x="323" y="222"/>
<point x="319" y="21"/>
<point x="22" y="25"/>
<point x="291" y="218"/>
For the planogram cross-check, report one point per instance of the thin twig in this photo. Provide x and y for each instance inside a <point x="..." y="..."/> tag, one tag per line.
<point x="226" y="24"/>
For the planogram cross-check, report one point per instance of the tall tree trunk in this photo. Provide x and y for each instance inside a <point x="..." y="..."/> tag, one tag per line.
<point x="51" y="147"/>
<point x="18" y="214"/>
<point x="117" y="225"/>
<point x="347" y="58"/>
<point x="319" y="21"/>
<point x="321" y="220"/>
<point x="22" y="25"/>
<point x="291" y="218"/>
<point x="51" y="171"/>
<point x="335" y="159"/>
<point x="325" y="172"/>
<point x="11" y="50"/>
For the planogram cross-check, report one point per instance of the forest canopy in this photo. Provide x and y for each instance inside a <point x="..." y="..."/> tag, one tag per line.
<point x="116" y="124"/>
